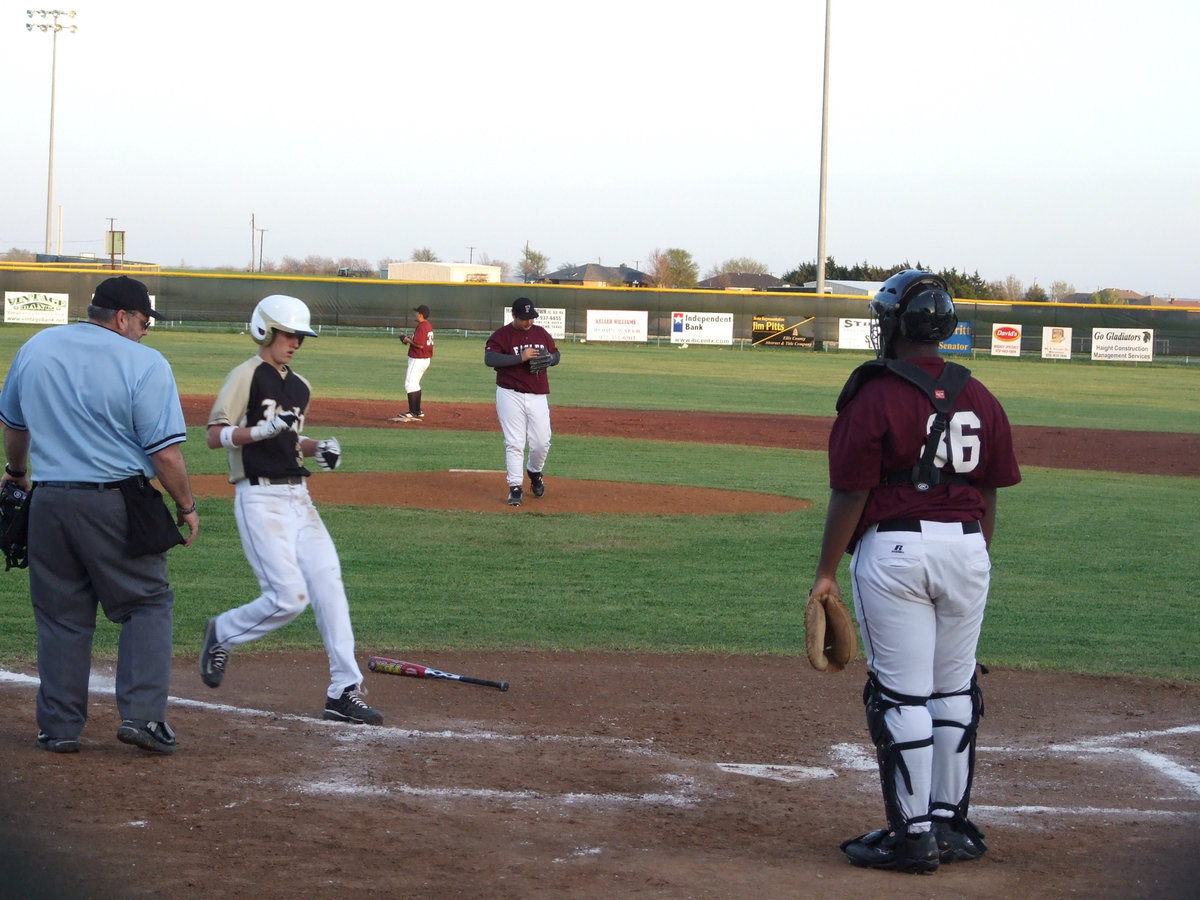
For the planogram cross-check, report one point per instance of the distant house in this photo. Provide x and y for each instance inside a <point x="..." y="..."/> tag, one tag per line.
<point x="596" y="275"/>
<point x="741" y="281"/>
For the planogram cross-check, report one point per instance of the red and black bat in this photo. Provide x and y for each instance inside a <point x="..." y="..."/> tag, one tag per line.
<point x="399" y="667"/>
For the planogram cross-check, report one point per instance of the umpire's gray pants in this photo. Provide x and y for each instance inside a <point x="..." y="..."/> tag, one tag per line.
<point x="77" y="561"/>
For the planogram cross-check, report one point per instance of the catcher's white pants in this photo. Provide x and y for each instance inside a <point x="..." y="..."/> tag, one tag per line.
<point x="412" y="375"/>
<point x="920" y="599"/>
<point x="524" y="419"/>
<point x="296" y="563"/>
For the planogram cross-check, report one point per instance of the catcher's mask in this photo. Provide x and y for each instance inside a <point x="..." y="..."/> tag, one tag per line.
<point x="279" y="312"/>
<point x="917" y="306"/>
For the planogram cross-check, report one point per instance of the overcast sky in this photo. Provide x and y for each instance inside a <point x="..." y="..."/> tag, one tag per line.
<point x="1044" y="139"/>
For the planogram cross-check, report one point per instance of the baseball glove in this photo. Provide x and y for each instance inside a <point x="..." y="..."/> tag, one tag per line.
<point x="541" y="362"/>
<point x="14" y="526"/>
<point x="829" y="633"/>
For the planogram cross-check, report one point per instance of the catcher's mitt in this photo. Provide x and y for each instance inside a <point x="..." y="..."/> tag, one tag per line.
<point x="14" y="526"/>
<point x="829" y="633"/>
<point x="541" y="362"/>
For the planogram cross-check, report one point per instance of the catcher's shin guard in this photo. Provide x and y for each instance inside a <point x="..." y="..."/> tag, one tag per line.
<point x="954" y="753"/>
<point x="890" y="753"/>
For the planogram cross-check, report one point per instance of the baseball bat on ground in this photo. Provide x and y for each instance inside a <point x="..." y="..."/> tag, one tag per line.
<point x="399" y="667"/>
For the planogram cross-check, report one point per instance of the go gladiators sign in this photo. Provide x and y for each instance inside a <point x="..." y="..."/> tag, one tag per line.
<point x="1123" y="344"/>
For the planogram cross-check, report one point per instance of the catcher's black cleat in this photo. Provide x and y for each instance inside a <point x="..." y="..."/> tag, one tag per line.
<point x="954" y="846"/>
<point x="57" y="745"/>
<point x="514" y="496"/>
<point x="537" y="484"/>
<point x="350" y="707"/>
<point x="212" y="656"/>
<point x="884" y="849"/>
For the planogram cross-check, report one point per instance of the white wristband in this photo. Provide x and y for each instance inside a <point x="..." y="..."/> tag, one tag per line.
<point x="227" y="437"/>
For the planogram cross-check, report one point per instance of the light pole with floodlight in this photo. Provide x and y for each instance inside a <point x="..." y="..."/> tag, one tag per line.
<point x="54" y="28"/>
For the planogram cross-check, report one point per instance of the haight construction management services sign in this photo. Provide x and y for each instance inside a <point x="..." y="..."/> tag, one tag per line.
<point x="28" y="308"/>
<point x="1123" y="344"/>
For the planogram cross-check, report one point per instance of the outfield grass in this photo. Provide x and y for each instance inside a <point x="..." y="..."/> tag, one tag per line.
<point x="1091" y="570"/>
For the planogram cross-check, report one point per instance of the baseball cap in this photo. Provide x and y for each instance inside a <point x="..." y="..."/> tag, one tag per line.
<point x="422" y="309"/>
<point x="125" y="293"/>
<point x="522" y="308"/>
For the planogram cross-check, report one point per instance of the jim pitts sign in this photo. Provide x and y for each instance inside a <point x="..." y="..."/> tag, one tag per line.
<point x="1126" y="345"/>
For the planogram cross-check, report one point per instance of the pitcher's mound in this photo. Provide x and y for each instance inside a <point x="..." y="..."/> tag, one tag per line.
<point x="488" y="492"/>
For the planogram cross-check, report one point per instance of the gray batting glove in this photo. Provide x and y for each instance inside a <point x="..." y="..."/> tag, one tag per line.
<point x="268" y="428"/>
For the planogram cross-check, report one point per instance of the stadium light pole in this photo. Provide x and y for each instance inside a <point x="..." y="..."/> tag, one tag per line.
<point x="54" y="28"/>
<point x="820" y="288"/>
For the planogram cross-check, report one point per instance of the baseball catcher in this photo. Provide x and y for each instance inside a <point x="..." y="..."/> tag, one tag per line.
<point x="829" y="633"/>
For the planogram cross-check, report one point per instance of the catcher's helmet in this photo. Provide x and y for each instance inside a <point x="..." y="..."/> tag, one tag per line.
<point x="917" y="306"/>
<point x="279" y="313"/>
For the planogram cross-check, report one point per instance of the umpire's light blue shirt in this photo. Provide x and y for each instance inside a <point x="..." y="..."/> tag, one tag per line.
<point x="95" y="403"/>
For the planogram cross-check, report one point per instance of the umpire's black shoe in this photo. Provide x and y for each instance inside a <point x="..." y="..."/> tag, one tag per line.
<point x="156" y="737"/>
<point x="537" y="484"/>
<point x="212" y="656"/>
<point x="350" y="707"/>
<point x="954" y="845"/>
<point x="57" y="745"/>
<point x="514" y="496"/>
<point x="885" y="849"/>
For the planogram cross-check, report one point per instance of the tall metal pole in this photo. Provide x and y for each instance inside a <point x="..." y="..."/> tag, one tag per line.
<point x="54" y="28"/>
<point x="824" y="162"/>
<point x="261" y="232"/>
<point x="251" y="242"/>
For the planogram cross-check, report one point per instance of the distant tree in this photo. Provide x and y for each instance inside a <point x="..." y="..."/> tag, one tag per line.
<point x="533" y="265"/>
<point x="743" y="265"/>
<point x="1035" y="294"/>
<point x="505" y="268"/>
<point x="424" y="254"/>
<point x="673" y="268"/>
<point x="1009" y="289"/>
<point x="1060" y="290"/>
<point x="1109" y="297"/>
<point x="310" y="265"/>
<point x="16" y="254"/>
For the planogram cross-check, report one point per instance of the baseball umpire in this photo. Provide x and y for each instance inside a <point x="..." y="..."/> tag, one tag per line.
<point x="521" y="352"/>
<point x="916" y="455"/>
<point x="258" y="417"/>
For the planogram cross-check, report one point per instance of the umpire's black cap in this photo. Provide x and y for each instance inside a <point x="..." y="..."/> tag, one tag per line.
<point x="523" y="309"/>
<point x="125" y="293"/>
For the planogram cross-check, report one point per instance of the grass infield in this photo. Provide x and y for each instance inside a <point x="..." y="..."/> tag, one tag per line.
<point x="1090" y="569"/>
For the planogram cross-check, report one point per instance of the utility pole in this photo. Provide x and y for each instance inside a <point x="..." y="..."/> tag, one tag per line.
<point x="824" y="165"/>
<point x="471" y="258"/>
<point x="261" y="232"/>
<point x="251" y="242"/>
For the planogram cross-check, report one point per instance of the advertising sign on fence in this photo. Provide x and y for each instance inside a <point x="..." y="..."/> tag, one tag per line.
<point x="855" y="334"/>
<point x="617" y="325"/>
<point x="1056" y="342"/>
<point x="1123" y="344"/>
<point x="959" y="343"/>
<point x="701" y="328"/>
<point x="775" y="331"/>
<point x="1006" y="340"/>
<point x="22" y="308"/>
<point x="553" y="320"/>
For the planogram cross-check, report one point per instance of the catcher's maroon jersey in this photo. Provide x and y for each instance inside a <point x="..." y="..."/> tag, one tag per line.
<point x="884" y="429"/>
<point x="512" y="341"/>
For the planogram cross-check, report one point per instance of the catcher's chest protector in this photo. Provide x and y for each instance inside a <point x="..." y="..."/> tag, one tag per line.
<point x="941" y="391"/>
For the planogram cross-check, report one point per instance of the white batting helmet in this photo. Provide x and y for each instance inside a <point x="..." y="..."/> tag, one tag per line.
<point x="279" y="312"/>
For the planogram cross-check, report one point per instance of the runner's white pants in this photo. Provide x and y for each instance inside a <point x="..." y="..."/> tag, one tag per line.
<point x="524" y="419"/>
<point x="296" y="563"/>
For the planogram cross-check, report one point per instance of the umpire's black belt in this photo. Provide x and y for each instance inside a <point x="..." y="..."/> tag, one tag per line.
<point x="287" y="479"/>
<point x="915" y="525"/>
<point x="82" y="485"/>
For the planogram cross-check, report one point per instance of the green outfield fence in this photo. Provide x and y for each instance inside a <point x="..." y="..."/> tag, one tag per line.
<point x="188" y="298"/>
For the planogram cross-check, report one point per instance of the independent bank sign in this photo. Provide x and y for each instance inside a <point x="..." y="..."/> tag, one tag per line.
<point x="21" y="308"/>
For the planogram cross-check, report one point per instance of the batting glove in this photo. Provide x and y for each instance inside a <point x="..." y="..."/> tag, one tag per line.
<point x="329" y="454"/>
<point x="268" y="428"/>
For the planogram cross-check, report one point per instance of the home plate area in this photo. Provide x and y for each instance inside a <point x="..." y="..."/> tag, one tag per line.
<point x="596" y="774"/>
